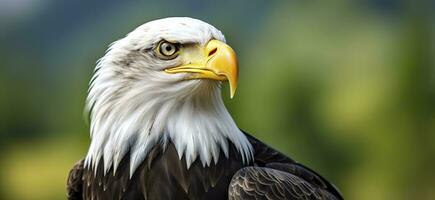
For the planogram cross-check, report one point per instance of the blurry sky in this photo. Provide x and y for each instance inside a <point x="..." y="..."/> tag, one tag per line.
<point x="345" y="87"/>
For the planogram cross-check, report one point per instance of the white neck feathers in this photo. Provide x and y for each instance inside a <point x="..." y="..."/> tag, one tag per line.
<point x="194" y="119"/>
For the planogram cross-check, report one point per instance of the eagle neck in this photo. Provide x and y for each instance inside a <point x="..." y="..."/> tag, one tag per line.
<point x="196" y="122"/>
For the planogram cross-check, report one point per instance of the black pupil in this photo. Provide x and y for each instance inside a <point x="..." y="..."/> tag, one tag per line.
<point x="168" y="48"/>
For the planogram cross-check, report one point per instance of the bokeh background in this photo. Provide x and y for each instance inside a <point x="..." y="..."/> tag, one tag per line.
<point x="346" y="87"/>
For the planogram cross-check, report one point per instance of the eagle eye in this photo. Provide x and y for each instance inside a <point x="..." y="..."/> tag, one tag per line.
<point x="167" y="50"/>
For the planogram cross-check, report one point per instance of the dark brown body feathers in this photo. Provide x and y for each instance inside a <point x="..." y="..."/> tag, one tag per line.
<point x="163" y="176"/>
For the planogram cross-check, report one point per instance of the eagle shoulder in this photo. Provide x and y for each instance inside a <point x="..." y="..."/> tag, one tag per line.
<point x="74" y="185"/>
<point x="277" y="176"/>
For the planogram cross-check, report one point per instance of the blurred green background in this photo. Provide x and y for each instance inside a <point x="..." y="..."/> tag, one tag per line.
<point x="345" y="87"/>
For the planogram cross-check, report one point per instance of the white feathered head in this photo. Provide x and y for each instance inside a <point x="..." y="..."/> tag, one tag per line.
<point x="161" y="84"/>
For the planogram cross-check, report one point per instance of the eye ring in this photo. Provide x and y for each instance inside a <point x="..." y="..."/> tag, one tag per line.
<point x="167" y="50"/>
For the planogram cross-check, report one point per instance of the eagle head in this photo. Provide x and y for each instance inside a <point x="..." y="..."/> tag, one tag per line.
<point x="161" y="84"/>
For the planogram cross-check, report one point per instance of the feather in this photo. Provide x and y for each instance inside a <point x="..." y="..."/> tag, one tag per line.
<point x="134" y="105"/>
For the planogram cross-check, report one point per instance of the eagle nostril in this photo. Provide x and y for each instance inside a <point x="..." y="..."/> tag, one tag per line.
<point x="213" y="51"/>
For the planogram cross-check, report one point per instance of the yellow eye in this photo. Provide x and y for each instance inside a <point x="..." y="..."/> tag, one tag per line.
<point x="167" y="49"/>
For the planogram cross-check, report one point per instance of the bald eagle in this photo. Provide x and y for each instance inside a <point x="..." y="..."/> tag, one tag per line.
<point x="160" y="130"/>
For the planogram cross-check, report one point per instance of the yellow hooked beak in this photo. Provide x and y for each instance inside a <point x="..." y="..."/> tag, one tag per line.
<point x="218" y="63"/>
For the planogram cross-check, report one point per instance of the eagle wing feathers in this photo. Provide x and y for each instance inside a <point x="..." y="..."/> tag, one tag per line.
<point x="275" y="176"/>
